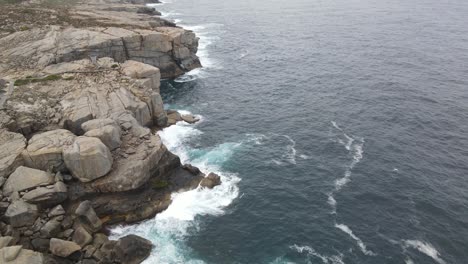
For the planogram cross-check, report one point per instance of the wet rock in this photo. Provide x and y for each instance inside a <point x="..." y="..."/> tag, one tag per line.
<point x="211" y="181"/>
<point x="88" y="158"/>
<point x="191" y="119"/>
<point x="13" y="145"/>
<point x="133" y="249"/>
<point x="63" y="248"/>
<point x="20" y="213"/>
<point x="24" y="178"/>
<point x="173" y="117"/>
<point x="44" y="150"/>
<point x="47" y="196"/>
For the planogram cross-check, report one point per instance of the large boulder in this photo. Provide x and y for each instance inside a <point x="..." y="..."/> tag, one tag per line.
<point x="88" y="158"/>
<point x="87" y="216"/>
<point x="47" y="196"/>
<point x="10" y="152"/>
<point x="133" y="249"/>
<point x="24" y="178"/>
<point x="19" y="255"/>
<point x="44" y="150"/>
<point x="140" y="70"/>
<point x="106" y="130"/>
<point x="63" y="248"/>
<point x="20" y="214"/>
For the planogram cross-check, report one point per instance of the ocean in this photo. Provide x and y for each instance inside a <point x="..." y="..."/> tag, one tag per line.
<point x="339" y="128"/>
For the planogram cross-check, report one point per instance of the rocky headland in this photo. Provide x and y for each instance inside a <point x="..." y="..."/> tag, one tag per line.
<point x="79" y="108"/>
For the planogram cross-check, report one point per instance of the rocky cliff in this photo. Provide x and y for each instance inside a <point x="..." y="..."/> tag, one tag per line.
<point x="79" y="104"/>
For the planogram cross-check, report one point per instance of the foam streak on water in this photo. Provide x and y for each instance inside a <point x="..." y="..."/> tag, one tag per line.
<point x="335" y="259"/>
<point x="361" y="244"/>
<point x="425" y="248"/>
<point x="169" y="229"/>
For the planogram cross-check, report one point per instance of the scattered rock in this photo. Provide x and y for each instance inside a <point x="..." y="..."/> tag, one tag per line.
<point x="56" y="211"/>
<point x="19" y="255"/>
<point x="50" y="229"/>
<point x="10" y="253"/>
<point x="63" y="248"/>
<point x="191" y="119"/>
<point x="88" y="158"/>
<point x="47" y="196"/>
<point x="88" y="217"/>
<point x="24" y="178"/>
<point x="82" y="237"/>
<point x="20" y="213"/>
<point x="211" y="181"/>
<point x="6" y="241"/>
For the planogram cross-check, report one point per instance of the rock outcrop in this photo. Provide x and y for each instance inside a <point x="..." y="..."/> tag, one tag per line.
<point x="78" y="150"/>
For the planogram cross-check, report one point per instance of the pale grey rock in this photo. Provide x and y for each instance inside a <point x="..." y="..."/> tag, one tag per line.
<point x="97" y="124"/>
<point x="44" y="150"/>
<point x="109" y="135"/>
<point x="140" y="70"/>
<point x="10" y="253"/>
<point x="6" y="241"/>
<point x="63" y="248"/>
<point x="50" y="229"/>
<point x="191" y="119"/>
<point x="87" y="158"/>
<point x="47" y="196"/>
<point x="24" y="178"/>
<point x="19" y="255"/>
<point x="12" y="145"/>
<point x="20" y="214"/>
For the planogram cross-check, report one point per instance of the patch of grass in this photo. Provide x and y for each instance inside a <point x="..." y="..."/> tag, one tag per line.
<point x="69" y="78"/>
<point x="24" y="28"/>
<point x="29" y="79"/>
<point x="160" y="184"/>
<point x="114" y="66"/>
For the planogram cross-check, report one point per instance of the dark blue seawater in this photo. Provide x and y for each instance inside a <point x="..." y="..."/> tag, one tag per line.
<point x="340" y="128"/>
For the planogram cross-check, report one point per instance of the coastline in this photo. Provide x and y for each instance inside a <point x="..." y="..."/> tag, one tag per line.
<point x="79" y="154"/>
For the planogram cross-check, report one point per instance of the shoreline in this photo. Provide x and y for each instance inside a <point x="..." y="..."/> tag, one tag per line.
<point x="79" y="155"/>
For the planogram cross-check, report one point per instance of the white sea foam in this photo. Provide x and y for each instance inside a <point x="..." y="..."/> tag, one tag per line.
<point x="335" y="259"/>
<point x="425" y="248"/>
<point x="291" y="153"/>
<point x="409" y="261"/>
<point x="361" y="244"/>
<point x="169" y="229"/>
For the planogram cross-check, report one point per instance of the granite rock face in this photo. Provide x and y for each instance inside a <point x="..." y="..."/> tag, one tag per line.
<point x="87" y="158"/>
<point x="44" y="150"/>
<point x="12" y="144"/>
<point x="26" y="178"/>
<point x="107" y="130"/>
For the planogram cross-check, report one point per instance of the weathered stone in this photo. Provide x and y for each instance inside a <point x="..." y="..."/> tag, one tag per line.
<point x="191" y="119"/>
<point x="24" y="178"/>
<point x="173" y="117"/>
<point x="88" y="158"/>
<point x="97" y="124"/>
<point x="133" y="249"/>
<point x="63" y="248"/>
<point x="40" y="244"/>
<point x="88" y="217"/>
<point x="81" y="236"/>
<point x="20" y="213"/>
<point x="44" y="150"/>
<point x="56" y="211"/>
<point x="140" y="70"/>
<point x="211" y="181"/>
<point x="18" y="255"/>
<point x="99" y="239"/>
<point x="10" y="253"/>
<point x="50" y="229"/>
<point x="12" y="145"/>
<point x="109" y="135"/>
<point x="47" y="196"/>
<point x="6" y="241"/>
<point x="68" y="233"/>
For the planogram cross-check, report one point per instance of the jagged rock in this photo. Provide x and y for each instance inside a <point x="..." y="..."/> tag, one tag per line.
<point x="89" y="251"/>
<point x="107" y="252"/>
<point x="44" y="150"/>
<point x="191" y="119"/>
<point x="211" y="181"/>
<point x="47" y="196"/>
<point x="82" y="237"/>
<point x="109" y="135"/>
<point x="87" y="158"/>
<point x="148" y="10"/>
<point x="173" y="117"/>
<point x="88" y="217"/>
<point x="56" y="211"/>
<point x="132" y="172"/>
<point x="63" y="248"/>
<point x="20" y="213"/>
<point x="99" y="239"/>
<point x="12" y="144"/>
<point x="19" y="255"/>
<point x="50" y="229"/>
<point x="24" y="178"/>
<point x="133" y="249"/>
<point x="6" y="241"/>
